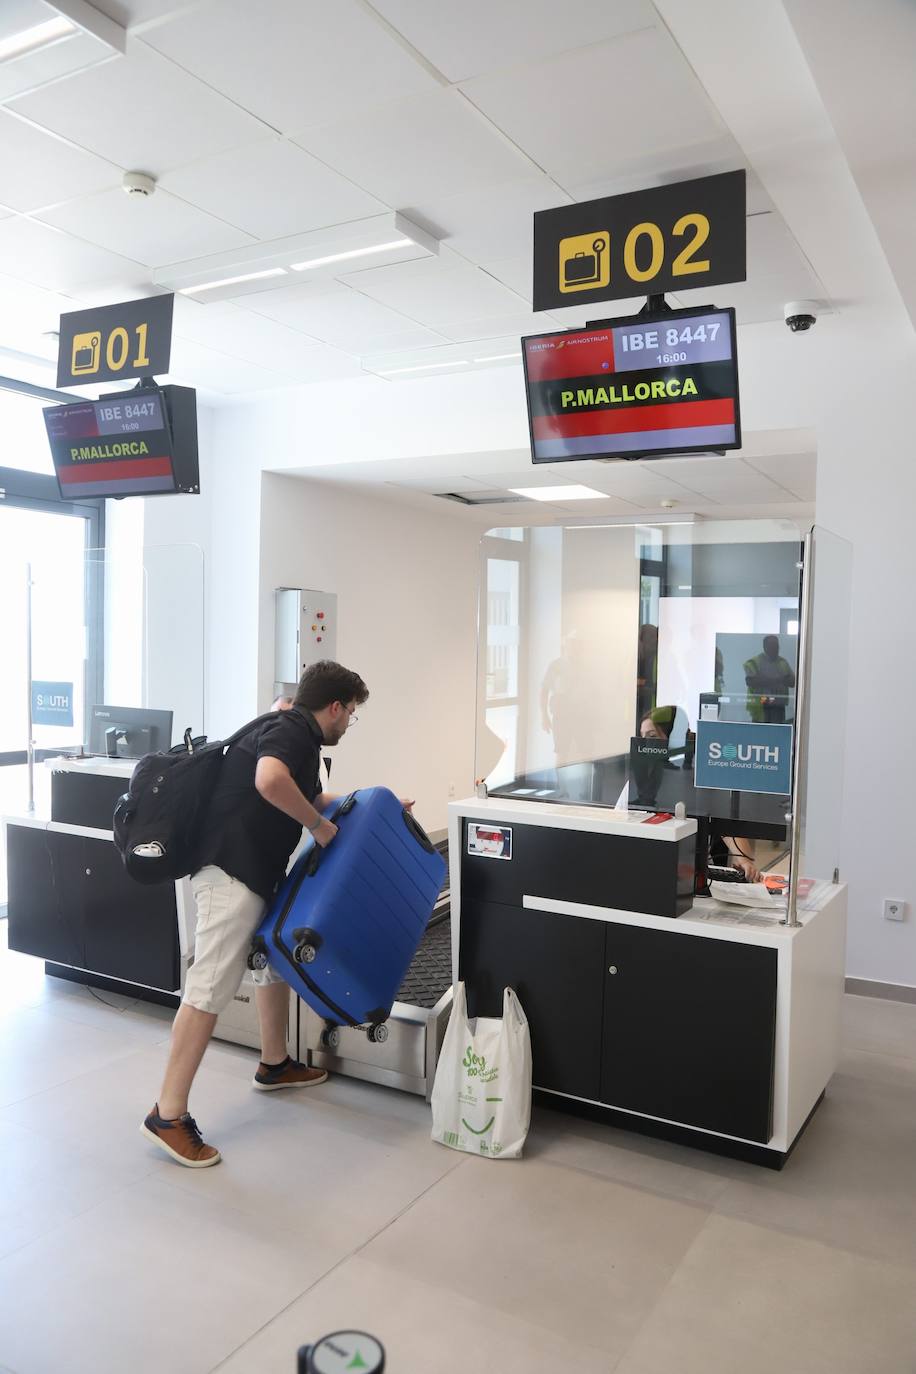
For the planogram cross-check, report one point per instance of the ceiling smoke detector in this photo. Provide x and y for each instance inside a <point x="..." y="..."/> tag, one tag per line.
<point x="138" y="184"/>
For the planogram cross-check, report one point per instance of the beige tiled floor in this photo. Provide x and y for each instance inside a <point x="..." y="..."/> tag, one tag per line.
<point x="599" y="1251"/>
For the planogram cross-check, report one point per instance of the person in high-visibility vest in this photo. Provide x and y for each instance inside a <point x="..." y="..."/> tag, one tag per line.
<point x="769" y="681"/>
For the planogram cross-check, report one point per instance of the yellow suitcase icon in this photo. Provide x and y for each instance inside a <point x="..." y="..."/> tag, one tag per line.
<point x="86" y="353"/>
<point x="585" y="262"/>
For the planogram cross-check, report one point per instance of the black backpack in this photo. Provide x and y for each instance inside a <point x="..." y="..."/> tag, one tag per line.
<point x="157" y="821"/>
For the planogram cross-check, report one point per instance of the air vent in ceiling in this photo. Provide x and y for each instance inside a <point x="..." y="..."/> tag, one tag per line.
<point x="481" y="498"/>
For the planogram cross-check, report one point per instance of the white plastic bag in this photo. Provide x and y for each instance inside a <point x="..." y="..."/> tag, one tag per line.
<point x="482" y="1093"/>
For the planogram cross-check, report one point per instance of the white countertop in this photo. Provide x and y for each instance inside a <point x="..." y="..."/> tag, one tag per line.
<point x="601" y="820"/>
<point x="707" y="917"/>
<point x="98" y="765"/>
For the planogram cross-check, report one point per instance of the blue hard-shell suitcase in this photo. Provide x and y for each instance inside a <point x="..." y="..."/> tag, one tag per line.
<point x="345" y="926"/>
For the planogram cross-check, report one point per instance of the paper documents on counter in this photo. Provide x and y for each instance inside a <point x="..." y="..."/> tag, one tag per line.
<point x="753" y="895"/>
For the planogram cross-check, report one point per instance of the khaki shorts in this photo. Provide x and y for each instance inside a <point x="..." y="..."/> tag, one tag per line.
<point x="228" y="914"/>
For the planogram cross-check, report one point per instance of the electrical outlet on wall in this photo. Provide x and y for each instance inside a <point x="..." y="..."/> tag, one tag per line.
<point x="894" y="910"/>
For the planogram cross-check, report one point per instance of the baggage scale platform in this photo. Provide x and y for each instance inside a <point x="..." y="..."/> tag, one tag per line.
<point x="406" y="1056"/>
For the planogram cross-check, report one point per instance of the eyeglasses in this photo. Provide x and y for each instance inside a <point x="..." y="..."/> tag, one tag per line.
<point x="351" y="712"/>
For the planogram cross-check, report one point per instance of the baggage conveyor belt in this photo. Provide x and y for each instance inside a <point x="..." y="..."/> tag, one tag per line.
<point x="406" y="1056"/>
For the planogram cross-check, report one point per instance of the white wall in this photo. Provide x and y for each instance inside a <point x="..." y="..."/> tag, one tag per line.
<point x="406" y="585"/>
<point x="854" y="378"/>
<point x="155" y="568"/>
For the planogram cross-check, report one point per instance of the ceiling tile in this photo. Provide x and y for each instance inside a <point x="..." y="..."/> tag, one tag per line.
<point x="493" y="223"/>
<point x="324" y="60"/>
<point x="155" y="230"/>
<point x="477" y="36"/>
<point x="37" y="253"/>
<point x="516" y="273"/>
<point x="131" y="13"/>
<point x="198" y="365"/>
<point x="796" y="472"/>
<point x="26" y="312"/>
<point x="230" y="329"/>
<point x="194" y="365"/>
<point x="497" y="328"/>
<point x="729" y="480"/>
<point x="339" y="315"/>
<point x="177" y="120"/>
<point x="433" y="290"/>
<point x="611" y="106"/>
<point x="637" y="482"/>
<point x="416" y="150"/>
<point x="38" y="169"/>
<point x="271" y="189"/>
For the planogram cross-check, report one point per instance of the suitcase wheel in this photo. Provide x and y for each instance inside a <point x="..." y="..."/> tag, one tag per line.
<point x="305" y="953"/>
<point x="330" y="1038"/>
<point x="304" y="935"/>
<point x="257" y="959"/>
<point x="377" y="1034"/>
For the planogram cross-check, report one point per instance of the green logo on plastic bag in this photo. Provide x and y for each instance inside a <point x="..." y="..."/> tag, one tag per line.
<point x="476" y="1067"/>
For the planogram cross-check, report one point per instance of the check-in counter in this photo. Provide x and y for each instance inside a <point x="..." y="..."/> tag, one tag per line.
<point x="71" y="902"/>
<point x="683" y="1018"/>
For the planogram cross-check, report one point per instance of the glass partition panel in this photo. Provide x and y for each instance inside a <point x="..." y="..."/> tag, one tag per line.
<point x="603" y="645"/>
<point x="118" y="646"/>
<point x="822" y="730"/>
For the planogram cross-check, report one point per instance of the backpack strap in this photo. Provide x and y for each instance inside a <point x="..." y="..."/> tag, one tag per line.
<point x="246" y="729"/>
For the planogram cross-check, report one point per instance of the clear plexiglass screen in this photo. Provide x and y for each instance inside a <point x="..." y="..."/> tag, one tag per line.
<point x="602" y="647"/>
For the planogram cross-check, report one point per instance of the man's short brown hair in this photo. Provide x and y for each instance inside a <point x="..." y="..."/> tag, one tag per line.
<point x="326" y="682"/>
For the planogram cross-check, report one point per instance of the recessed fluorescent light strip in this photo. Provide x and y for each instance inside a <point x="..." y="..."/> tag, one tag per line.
<point x="353" y="253"/>
<point x="423" y="367"/>
<point x="38" y="36"/>
<point x="569" y="493"/>
<point x="231" y="281"/>
<point x="639" y="523"/>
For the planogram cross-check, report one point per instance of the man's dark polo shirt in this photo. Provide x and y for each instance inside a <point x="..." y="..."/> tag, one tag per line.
<point x="242" y="833"/>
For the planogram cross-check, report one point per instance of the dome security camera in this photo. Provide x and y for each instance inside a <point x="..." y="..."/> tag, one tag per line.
<point x="801" y="315"/>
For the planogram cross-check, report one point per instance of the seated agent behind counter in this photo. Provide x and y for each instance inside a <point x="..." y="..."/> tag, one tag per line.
<point x="269" y="788"/>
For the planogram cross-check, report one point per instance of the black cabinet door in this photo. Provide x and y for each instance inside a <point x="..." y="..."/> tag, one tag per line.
<point x="71" y="902"/>
<point x="555" y="964"/>
<point x="131" y="931"/>
<point x="689" y="1030"/>
<point x="45" y="894"/>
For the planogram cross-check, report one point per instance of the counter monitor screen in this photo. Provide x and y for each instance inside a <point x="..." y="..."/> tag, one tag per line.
<point x="640" y="386"/>
<point x="128" y="732"/>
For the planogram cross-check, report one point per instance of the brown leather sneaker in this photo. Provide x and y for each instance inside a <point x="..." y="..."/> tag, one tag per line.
<point x="291" y="1074"/>
<point x="181" y="1139"/>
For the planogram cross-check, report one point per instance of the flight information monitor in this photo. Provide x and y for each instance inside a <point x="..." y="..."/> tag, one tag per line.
<point x="140" y="443"/>
<point x="641" y="386"/>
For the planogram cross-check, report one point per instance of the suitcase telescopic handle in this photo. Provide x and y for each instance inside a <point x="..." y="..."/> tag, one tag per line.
<point x="314" y="858"/>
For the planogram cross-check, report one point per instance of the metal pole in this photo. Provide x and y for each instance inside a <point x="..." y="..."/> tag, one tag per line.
<point x="802" y="694"/>
<point x="30" y="754"/>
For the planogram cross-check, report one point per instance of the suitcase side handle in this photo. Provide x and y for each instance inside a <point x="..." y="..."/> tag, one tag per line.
<point x="416" y="829"/>
<point x="314" y="858"/>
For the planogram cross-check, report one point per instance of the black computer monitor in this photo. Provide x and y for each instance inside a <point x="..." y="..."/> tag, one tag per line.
<point x="128" y="732"/>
